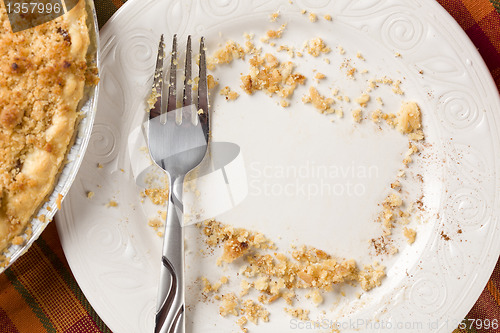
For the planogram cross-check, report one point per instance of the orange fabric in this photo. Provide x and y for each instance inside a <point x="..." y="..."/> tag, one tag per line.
<point x="477" y="9"/>
<point x="481" y="22"/>
<point x="15" y="309"/>
<point x="39" y="294"/>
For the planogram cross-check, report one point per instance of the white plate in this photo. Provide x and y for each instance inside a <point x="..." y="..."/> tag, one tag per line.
<point x="75" y="155"/>
<point x="430" y="286"/>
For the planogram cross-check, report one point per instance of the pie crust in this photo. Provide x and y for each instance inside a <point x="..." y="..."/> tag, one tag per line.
<point x="42" y="78"/>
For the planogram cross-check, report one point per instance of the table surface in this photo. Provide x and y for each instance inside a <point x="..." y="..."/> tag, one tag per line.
<point x="38" y="293"/>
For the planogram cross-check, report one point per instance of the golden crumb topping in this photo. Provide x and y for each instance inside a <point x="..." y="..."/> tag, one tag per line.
<point x="267" y="73"/>
<point x="321" y="103"/>
<point x="229" y="305"/>
<point x="409" y="118"/>
<point x="274" y="275"/>
<point x="226" y="55"/>
<point x="274" y="16"/>
<point x="208" y="287"/>
<point x="228" y="93"/>
<point x="410" y="235"/>
<point x="158" y="196"/>
<point x="298" y="313"/>
<point x="357" y="115"/>
<point x="254" y="311"/>
<point x="211" y="83"/>
<point x="112" y="203"/>
<point x="274" y="34"/>
<point x="42" y="75"/>
<point x="316" y="47"/>
<point x="363" y="99"/>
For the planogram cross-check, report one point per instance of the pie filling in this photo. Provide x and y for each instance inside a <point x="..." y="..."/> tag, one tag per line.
<point x="42" y="78"/>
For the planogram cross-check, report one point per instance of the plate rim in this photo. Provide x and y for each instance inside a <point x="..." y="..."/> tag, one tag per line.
<point x="490" y="263"/>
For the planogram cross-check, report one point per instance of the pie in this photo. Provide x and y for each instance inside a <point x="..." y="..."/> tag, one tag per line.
<point x="42" y="77"/>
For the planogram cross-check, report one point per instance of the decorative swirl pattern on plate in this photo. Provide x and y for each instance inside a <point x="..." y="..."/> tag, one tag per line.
<point x="109" y="48"/>
<point x="356" y="7"/>
<point x="122" y="280"/>
<point x="458" y="110"/>
<point x="314" y="3"/>
<point x="138" y="52"/>
<point x="467" y="207"/>
<point x="441" y="67"/>
<point x="102" y="144"/>
<point x="113" y="91"/>
<point x="220" y="7"/>
<point x="402" y="31"/>
<point x="104" y="239"/>
<point x="448" y="259"/>
<point x="428" y="294"/>
<point x="177" y="17"/>
<point x="148" y="311"/>
<point x="470" y="162"/>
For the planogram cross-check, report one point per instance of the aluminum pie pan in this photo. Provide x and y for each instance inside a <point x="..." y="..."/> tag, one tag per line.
<point x="87" y="109"/>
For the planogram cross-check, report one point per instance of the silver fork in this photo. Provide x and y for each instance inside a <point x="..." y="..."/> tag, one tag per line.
<point x="178" y="140"/>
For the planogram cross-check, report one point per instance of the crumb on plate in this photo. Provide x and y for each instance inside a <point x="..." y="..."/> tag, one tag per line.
<point x="229" y="94"/>
<point x="410" y="235"/>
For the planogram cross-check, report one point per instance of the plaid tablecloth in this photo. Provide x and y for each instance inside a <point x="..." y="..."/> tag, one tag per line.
<point x="39" y="293"/>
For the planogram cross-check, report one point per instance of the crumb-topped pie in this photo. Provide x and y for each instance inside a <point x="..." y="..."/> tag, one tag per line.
<point x="42" y="78"/>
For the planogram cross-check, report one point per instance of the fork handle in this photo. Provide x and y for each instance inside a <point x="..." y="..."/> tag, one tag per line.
<point x="170" y="307"/>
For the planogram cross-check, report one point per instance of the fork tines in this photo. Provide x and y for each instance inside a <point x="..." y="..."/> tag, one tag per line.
<point x="203" y="91"/>
<point x="156" y="110"/>
<point x="187" y="99"/>
<point x="172" y="97"/>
